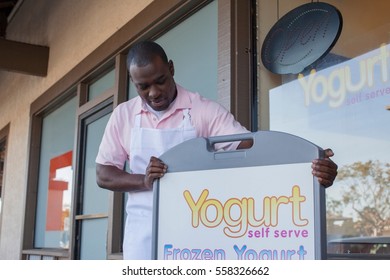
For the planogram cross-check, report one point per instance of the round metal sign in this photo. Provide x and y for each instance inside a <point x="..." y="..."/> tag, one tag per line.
<point x="301" y="37"/>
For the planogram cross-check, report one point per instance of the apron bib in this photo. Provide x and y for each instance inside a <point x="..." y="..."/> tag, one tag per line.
<point x="147" y="142"/>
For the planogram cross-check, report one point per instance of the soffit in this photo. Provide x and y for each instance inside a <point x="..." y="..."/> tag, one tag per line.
<point x="19" y="56"/>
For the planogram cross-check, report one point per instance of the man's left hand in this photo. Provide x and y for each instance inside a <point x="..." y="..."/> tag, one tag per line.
<point x="325" y="169"/>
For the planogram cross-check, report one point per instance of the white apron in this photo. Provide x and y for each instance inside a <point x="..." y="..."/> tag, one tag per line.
<point x="147" y="142"/>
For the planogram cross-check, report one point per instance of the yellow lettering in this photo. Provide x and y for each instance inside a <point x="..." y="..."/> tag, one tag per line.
<point x="306" y="84"/>
<point x="340" y="81"/>
<point x="238" y="227"/>
<point x="337" y="77"/>
<point x="195" y="207"/>
<point x="274" y="209"/>
<point x="370" y="69"/>
<point x="296" y="199"/>
<point x="384" y="58"/>
<point x="322" y="83"/>
<point x="362" y="79"/>
<point x="251" y="213"/>
<point x="218" y="210"/>
<point x="238" y="214"/>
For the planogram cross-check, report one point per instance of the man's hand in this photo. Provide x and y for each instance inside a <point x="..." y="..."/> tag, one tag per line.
<point x="325" y="169"/>
<point x="156" y="169"/>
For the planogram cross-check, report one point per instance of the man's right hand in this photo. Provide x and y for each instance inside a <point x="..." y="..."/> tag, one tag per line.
<point x="156" y="169"/>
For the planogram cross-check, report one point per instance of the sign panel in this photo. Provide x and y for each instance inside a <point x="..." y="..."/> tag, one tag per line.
<point x="245" y="213"/>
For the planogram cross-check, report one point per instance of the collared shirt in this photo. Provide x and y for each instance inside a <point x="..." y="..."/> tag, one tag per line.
<point x="207" y="116"/>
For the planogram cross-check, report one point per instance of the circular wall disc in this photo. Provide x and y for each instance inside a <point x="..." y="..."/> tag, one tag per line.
<point x="301" y="37"/>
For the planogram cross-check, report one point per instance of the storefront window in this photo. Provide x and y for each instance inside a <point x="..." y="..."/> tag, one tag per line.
<point x="343" y="106"/>
<point x="197" y="38"/>
<point x="55" y="178"/>
<point x="101" y="85"/>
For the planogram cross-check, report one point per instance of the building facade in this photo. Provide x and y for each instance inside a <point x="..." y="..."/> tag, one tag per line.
<point x="63" y="71"/>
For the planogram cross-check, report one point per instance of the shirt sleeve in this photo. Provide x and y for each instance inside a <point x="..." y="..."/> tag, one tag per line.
<point x="221" y="122"/>
<point x="112" y="149"/>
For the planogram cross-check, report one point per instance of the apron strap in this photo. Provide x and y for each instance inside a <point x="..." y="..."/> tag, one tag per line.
<point x="187" y="119"/>
<point x="137" y="121"/>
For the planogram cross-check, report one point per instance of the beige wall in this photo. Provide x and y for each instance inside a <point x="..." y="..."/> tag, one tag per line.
<point x="72" y="29"/>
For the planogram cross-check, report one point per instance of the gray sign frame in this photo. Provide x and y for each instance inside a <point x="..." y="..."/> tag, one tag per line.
<point x="269" y="148"/>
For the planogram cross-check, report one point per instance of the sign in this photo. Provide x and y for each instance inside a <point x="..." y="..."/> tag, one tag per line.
<point x="256" y="204"/>
<point x="301" y="37"/>
<point x="247" y="213"/>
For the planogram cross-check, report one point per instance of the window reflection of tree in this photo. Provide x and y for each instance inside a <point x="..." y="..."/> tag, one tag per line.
<point x="367" y="193"/>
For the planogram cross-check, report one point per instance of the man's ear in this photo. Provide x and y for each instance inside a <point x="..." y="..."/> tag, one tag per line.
<point x="171" y="67"/>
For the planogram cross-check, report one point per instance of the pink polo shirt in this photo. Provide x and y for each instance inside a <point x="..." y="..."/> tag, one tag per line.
<point x="208" y="117"/>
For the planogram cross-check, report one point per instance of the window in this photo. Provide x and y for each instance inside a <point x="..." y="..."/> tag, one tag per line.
<point x="196" y="57"/>
<point x="102" y="84"/>
<point x="342" y="105"/>
<point x="55" y="178"/>
<point x="91" y="219"/>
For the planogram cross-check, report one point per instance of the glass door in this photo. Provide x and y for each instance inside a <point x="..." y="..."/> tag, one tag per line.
<point x="93" y="202"/>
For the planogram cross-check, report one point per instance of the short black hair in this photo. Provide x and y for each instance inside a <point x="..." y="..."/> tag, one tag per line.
<point x="142" y="53"/>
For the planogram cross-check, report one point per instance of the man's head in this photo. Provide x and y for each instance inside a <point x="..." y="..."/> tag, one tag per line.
<point x="152" y="74"/>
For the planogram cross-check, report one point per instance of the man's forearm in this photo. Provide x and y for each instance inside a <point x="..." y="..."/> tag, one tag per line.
<point x="114" y="179"/>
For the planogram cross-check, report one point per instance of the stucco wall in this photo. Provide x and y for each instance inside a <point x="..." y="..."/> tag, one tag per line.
<point x="72" y="29"/>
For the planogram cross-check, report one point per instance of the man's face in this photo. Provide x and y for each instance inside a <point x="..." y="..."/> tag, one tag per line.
<point x="154" y="83"/>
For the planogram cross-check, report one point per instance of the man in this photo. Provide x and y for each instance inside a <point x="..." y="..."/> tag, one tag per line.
<point x="141" y="129"/>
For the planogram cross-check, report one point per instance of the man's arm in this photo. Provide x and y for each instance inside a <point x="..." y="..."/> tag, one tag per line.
<point x="114" y="179"/>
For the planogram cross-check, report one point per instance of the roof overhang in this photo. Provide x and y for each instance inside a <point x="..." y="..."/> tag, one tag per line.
<point x="17" y="56"/>
<point x="23" y="58"/>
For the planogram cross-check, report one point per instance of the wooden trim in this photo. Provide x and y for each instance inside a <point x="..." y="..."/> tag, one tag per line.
<point x="91" y="216"/>
<point x="241" y="62"/>
<point x="115" y="223"/>
<point x="115" y="256"/>
<point x="121" y="79"/>
<point x="96" y="101"/>
<point x="224" y="51"/>
<point x="56" y="253"/>
<point x="49" y="104"/>
<point x="82" y="94"/>
<point x="32" y="181"/>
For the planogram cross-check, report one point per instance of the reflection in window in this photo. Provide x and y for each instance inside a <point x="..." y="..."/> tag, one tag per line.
<point x="102" y="84"/>
<point x="344" y="107"/>
<point x="59" y="196"/>
<point x="55" y="178"/>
